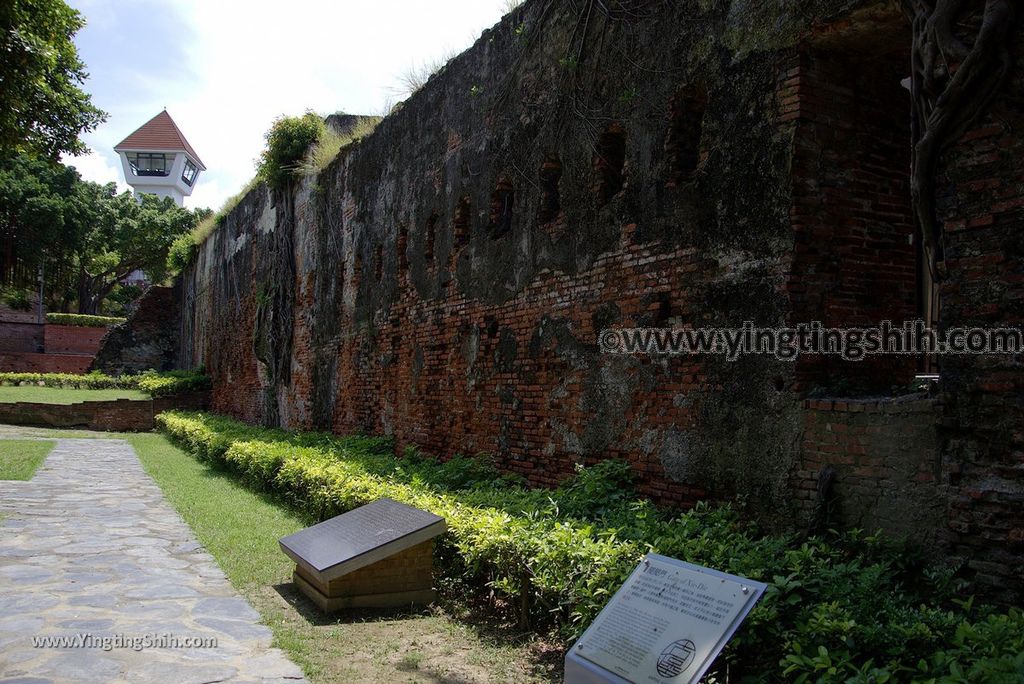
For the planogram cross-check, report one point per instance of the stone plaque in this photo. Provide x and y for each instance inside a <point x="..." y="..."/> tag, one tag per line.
<point x="666" y="625"/>
<point x="359" y="538"/>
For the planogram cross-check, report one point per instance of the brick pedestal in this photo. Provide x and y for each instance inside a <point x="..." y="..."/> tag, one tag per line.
<point x="403" y="579"/>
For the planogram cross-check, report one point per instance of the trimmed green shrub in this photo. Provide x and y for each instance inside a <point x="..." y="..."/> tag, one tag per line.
<point x="169" y="383"/>
<point x="83" y="320"/>
<point x="844" y="608"/>
<point x="155" y="384"/>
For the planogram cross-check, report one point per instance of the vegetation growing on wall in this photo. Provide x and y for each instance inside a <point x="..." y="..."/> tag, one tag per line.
<point x="330" y="143"/>
<point x="288" y="141"/>
<point x="839" y="608"/>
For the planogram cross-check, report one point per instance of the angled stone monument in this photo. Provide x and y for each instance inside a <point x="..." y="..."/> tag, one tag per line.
<point x="666" y="625"/>
<point x="380" y="555"/>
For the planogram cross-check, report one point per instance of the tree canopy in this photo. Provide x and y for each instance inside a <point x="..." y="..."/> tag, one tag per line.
<point x="44" y="108"/>
<point x="88" y="237"/>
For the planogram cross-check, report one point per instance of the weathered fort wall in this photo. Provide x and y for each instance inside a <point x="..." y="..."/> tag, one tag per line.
<point x="661" y="164"/>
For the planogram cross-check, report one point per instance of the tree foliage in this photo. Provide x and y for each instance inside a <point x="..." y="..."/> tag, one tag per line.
<point x="87" y="236"/>
<point x="44" y="109"/>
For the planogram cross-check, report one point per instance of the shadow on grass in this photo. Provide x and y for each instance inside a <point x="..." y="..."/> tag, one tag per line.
<point x="545" y="659"/>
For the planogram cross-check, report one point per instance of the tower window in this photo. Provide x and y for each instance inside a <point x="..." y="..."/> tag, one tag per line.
<point x="190" y="172"/>
<point x="148" y="163"/>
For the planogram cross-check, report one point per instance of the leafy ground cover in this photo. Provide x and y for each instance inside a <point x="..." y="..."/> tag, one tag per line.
<point x="842" y="607"/>
<point x="20" y="458"/>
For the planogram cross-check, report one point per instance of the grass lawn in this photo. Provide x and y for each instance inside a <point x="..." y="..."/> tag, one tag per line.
<point x="241" y="527"/>
<point x="19" y="458"/>
<point x="60" y="395"/>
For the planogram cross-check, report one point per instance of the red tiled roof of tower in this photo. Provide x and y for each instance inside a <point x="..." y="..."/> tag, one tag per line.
<point x="159" y="133"/>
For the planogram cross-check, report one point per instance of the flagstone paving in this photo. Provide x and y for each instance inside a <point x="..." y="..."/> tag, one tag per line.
<point x="90" y="549"/>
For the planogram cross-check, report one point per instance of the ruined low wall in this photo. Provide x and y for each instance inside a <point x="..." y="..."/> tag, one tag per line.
<point x="147" y="340"/>
<point x="117" y="415"/>
<point x="21" y="338"/>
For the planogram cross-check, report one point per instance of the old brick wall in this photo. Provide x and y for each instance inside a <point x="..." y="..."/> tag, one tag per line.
<point x="147" y="340"/>
<point x="444" y="280"/>
<point x="21" y="338"/>
<point x="885" y="458"/>
<point x="15" y="362"/>
<point x="71" y="339"/>
<point x="982" y="206"/>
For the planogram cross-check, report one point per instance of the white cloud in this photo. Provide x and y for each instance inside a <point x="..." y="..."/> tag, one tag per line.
<point x="97" y="168"/>
<point x="245" y="64"/>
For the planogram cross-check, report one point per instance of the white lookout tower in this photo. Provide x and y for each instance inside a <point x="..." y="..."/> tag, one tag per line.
<point x="159" y="161"/>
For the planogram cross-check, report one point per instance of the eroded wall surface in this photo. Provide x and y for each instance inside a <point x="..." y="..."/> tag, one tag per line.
<point x="444" y="281"/>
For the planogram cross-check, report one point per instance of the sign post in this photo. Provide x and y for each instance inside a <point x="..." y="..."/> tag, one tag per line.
<point x="665" y="625"/>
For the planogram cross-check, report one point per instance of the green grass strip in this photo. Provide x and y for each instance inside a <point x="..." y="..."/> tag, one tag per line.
<point x="20" y="458"/>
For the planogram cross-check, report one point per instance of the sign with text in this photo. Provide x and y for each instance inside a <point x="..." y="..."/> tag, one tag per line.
<point x="665" y="625"/>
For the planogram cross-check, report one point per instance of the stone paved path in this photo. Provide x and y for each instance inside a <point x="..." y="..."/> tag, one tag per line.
<point x="90" y="546"/>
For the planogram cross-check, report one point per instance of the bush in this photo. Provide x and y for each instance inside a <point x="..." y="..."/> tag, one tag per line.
<point x="18" y="300"/>
<point x="83" y="320"/>
<point x="288" y="141"/>
<point x="182" y="252"/>
<point x="847" y="607"/>
<point x="170" y="383"/>
<point x="94" y="380"/>
<point x="155" y="384"/>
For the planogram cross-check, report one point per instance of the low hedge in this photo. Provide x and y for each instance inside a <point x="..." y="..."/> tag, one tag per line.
<point x="844" y="608"/>
<point x="83" y="320"/>
<point x="155" y="384"/>
<point x="169" y="383"/>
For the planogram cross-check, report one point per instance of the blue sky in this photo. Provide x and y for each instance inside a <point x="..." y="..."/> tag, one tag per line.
<point x="225" y="68"/>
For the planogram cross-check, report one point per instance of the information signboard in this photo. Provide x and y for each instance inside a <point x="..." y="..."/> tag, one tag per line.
<point x="665" y="625"/>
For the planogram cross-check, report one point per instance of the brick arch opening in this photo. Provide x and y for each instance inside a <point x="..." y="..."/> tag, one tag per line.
<point x="430" y="236"/>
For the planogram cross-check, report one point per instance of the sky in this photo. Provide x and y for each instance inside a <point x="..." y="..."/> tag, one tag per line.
<point x="224" y="69"/>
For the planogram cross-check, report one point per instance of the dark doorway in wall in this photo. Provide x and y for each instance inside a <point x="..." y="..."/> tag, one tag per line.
<point x="502" y="200"/>
<point x="462" y="222"/>
<point x="550" y="200"/>
<point x="609" y="161"/>
<point x="856" y="261"/>
<point x="430" y="237"/>
<point x="682" y="145"/>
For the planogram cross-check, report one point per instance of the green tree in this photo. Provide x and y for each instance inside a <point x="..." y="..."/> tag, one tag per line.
<point x="87" y="236"/>
<point x="44" y="110"/>
<point x="39" y="211"/>
<point x="123" y="235"/>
